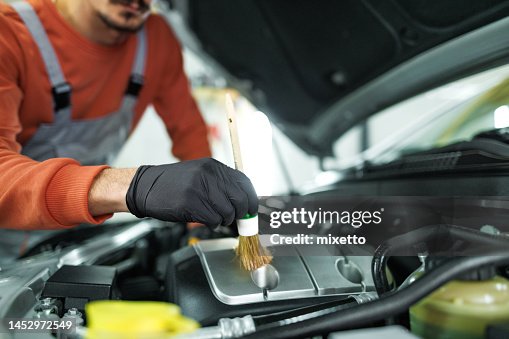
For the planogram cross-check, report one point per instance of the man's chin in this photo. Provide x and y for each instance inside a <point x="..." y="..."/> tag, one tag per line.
<point x="121" y="27"/>
<point x="128" y="28"/>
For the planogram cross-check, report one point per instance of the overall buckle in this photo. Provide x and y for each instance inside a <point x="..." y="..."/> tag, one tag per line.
<point x="135" y="85"/>
<point x="61" y="96"/>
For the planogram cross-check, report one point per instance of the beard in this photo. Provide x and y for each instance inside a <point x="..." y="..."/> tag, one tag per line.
<point x="141" y="3"/>
<point x="119" y="27"/>
<point x="125" y="28"/>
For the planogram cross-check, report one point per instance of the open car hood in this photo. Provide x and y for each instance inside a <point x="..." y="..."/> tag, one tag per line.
<point x="317" y="68"/>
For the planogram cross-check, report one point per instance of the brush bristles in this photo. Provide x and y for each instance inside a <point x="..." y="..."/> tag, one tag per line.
<point x="251" y="253"/>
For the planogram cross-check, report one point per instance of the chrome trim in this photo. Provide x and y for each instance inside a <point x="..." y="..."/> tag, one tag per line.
<point x="93" y="250"/>
<point x="299" y="276"/>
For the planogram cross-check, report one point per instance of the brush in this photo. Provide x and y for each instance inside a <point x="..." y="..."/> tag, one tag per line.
<point x="252" y="255"/>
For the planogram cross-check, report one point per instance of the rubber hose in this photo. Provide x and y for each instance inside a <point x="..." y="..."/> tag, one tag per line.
<point x="388" y="305"/>
<point x="429" y="234"/>
<point x="274" y="318"/>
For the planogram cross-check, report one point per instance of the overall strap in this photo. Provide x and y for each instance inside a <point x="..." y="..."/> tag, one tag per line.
<point x="61" y="90"/>
<point x="138" y="69"/>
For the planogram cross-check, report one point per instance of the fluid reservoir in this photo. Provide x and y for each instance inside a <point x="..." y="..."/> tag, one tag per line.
<point x="461" y="309"/>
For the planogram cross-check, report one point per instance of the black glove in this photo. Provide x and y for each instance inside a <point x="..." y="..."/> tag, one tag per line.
<point x="203" y="190"/>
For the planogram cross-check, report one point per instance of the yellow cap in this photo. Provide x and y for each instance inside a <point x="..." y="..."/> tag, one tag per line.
<point x="135" y="319"/>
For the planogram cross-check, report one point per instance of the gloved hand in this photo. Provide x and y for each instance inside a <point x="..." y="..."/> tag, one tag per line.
<point x="203" y="190"/>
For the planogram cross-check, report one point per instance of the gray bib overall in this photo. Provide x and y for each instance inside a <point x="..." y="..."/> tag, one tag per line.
<point x="91" y="141"/>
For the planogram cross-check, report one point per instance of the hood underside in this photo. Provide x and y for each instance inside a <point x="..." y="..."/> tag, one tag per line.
<point x="317" y="68"/>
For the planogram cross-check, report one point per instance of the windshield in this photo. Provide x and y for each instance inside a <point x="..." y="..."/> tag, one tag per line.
<point x="451" y="113"/>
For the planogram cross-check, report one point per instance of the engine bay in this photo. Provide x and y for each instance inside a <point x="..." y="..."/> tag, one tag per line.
<point x="196" y="269"/>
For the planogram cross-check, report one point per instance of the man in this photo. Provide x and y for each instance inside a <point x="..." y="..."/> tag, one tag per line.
<point x="75" y="78"/>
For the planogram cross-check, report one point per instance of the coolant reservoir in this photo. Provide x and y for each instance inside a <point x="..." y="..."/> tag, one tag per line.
<point x="135" y="319"/>
<point x="461" y="309"/>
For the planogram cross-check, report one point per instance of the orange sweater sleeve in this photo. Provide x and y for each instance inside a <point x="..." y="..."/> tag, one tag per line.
<point x="34" y="195"/>
<point x="174" y="102"/>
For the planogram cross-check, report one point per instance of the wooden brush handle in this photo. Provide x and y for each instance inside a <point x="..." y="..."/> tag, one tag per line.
<point x="234" y="134"/>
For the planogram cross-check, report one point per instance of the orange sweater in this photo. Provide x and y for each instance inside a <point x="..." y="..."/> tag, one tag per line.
<point x="54" y="193"/>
